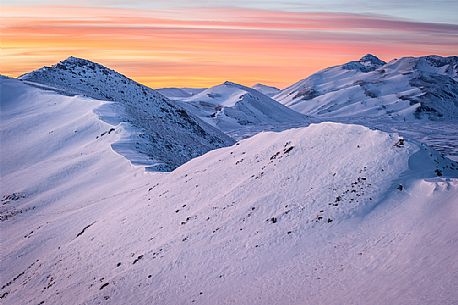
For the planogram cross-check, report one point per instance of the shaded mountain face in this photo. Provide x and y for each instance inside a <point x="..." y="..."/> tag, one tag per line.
<point x="406" y="88"/>
<point x="166" y="133"/>
<point x="241" y="111"/>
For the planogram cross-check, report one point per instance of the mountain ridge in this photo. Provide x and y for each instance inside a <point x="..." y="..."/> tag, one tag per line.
<point x="167" y="134"/>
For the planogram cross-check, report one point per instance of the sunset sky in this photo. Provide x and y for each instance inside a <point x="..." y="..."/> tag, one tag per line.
<point x="202" y="43"/>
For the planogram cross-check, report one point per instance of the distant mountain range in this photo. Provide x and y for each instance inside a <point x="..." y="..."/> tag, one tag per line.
<point x="241" y="111"/>
<point x="408" y="88"/>
<point x="179" y="93"/>
<point x="169" y="126"/>
<point x="405" y="88"/>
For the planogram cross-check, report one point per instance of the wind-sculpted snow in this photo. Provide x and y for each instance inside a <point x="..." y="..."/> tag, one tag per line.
<point x="241" y="111"/>
<point x="327" y="214"/>
<point x="164" y="135"/>
<point x="404" y="89"/>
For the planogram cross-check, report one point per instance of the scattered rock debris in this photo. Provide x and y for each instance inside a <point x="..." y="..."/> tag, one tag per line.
<point x="287" y="150"/>
<point x="275" y="156"/>
<point x="106" y="132"/>
<point x="12" y="197"/>
<point x="137" y="259"/>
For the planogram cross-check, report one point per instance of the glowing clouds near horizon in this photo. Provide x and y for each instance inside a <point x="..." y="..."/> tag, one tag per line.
<point x="203" y="47"/>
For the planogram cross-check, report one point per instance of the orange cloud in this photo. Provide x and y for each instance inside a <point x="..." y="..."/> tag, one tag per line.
<point x="204" y="47"/>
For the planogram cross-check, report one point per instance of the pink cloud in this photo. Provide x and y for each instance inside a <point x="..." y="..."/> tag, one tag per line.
<point x="245" y="44"/>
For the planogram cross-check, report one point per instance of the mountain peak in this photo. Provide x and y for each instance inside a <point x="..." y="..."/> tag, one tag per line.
<point x="228" y="83"/>
<point x="77" y="61"/>
<point x="372" y="59"/>
<point x="367" y="63"/>
<point x="235" y="86"/>
<point x="74" y="58"/>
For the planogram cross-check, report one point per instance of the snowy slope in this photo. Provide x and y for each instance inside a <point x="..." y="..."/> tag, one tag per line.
<point x="328" y="214"/>
<point x="406" y="88"/>
<point x="179" y="93"/>
<point x="241" y="111"/>
<point x="54" y="146"/>
<point x="165" y="134"/>
<point x="266" y="90"/>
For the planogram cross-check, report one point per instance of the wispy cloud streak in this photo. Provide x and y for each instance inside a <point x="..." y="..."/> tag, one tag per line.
<point x="200" y="47"/>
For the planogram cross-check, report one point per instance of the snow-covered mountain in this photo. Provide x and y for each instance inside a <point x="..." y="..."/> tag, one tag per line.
<point x="328" y="214"/>
<point x="266" y="90"/>
<point x="241" y="111"/>
<point x="406" y="88"/>
<point x="163" y="135"/>
<point x="179" y="93"/>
